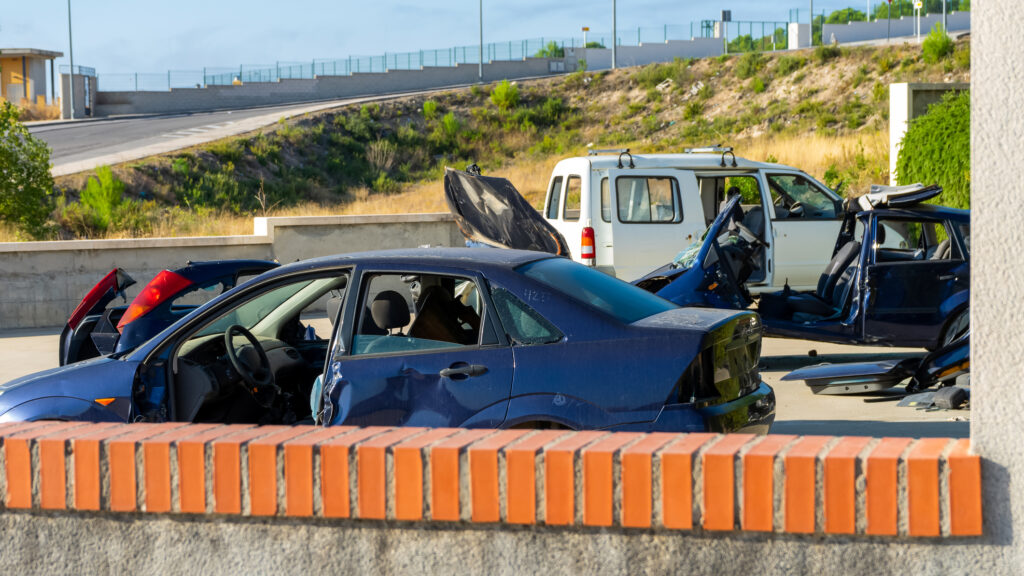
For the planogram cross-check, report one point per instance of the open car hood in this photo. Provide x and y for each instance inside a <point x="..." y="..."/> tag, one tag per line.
<point x="491" y="211"/>
<point x="897" y="196"/>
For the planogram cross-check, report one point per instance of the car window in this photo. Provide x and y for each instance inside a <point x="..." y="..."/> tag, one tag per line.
<point x="554" y="198"/>
<point x="965" y="233"/>
<point x="648" y="200"/>
<point x="623" y="301"/>
<point x="797" y="198"/>
<point x="404" y="313"/>
<point x="904" y="239"/>
<point x="523" y="324"/>
<point x="573" y="193"/>
<point x="256" y="309"/>
<point x="606" y="200"/>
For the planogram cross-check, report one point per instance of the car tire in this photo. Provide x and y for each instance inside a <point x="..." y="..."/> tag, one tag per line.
<point x="957" y="323"/>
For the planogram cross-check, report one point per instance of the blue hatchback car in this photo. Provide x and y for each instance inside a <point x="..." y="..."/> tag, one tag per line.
<point x="427" y="337"/>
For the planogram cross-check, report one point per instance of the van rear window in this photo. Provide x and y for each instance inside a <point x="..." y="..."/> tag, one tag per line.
<point x="648" y="200"/>
<point x="573" y="193"/>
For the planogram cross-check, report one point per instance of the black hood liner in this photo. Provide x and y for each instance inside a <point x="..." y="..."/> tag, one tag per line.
<point x="491" y="211"/>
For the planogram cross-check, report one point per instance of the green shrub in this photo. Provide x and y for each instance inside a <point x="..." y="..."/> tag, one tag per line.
<point x="450" y="125"/>
<point x="789" y="64"/>
<point x="757" y="85"/>
<point x="937" y="150"/>
<point x="26" y="187"/>
<point x="879" y="92"/>
<point x="227" y="150"/>
<point x="653" y="95"/>
<point x="749" y="64"/>
<point x="430" y="109"/>
<point x="552" y="50"/>
<point x="505" y="95"/>
<point x="937" y="45"/>
<point x="962" y="57"/>
<point x="823" y="54"/>
<point x="653" y="74"/>
<point x="693" y="110"/>
<point x="102" y="195"/>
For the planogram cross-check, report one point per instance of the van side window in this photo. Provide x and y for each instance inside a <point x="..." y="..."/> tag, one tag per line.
<point x="606" y="200"/>
<point x="648" y="200"/>
<point x="796" y="197"/>
<point x="573" y="193"/>
<point x="554" y="198"/>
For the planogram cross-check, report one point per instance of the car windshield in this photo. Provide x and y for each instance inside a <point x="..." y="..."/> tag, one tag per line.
<point x="252" y="312"/>
<point x="623" y="301"/>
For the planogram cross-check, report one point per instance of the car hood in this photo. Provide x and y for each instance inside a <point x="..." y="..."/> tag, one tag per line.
<point x="88" y="380"/>
<point x="491" y="211"/>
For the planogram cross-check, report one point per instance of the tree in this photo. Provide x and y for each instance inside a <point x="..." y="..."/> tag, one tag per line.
<point x="26" y="187"/>
<point x="552" y="50"/>
<point x="937" y="150"/>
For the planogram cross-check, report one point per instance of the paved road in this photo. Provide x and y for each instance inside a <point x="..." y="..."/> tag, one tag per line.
<point x="798" y="410"/>
<point x="82" y="145"/>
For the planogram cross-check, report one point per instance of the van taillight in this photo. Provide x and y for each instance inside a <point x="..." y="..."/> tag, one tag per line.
<point x="587" y="247"/>
<point x="164" y="286"/>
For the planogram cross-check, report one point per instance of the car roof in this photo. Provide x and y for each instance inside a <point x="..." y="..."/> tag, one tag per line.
<point x="926" y="210"/>
<point x="698" y="161"/>
<point x="469" y="258"/>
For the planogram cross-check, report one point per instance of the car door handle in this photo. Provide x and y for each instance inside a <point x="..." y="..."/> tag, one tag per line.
<point x="462" y="369"/>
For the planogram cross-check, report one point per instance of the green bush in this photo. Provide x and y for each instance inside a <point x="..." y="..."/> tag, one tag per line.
<point x="789" y="64"/>
<point x="430" y="109"/>
<point x="937" y="150"/>
<point x="693" y="110"/>
<point x="749" y="64"/>
<point x="757" y="85"/>
<point x="962" y="57"/>
<point x="505" y="95"/>
<point x="823" y="54"/>
<point x="552" y="50"/>
<point x="937" y="45"/>
<point x="653" y="74"/>
<point x="102" y="195"/>
<point x="450" y="125"/>
<point x="26" y="187"/>
<point x="227" y="150"/>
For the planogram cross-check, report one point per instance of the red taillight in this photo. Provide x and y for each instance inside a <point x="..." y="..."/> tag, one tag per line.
<point x="164" y="286"/>
<point x="587" y="246"/>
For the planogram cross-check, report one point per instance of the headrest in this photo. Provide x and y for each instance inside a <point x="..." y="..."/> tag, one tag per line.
<point x="390" y="310"/>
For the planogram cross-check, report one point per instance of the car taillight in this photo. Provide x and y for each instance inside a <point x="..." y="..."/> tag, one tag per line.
<point x="164" y="286"/>
<point x="587" y="243"/>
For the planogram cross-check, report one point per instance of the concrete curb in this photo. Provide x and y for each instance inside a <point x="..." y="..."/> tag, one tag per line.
<point x="698" y="482"/>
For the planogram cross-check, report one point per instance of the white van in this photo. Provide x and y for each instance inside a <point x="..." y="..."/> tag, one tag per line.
<point x="638" y="211"/>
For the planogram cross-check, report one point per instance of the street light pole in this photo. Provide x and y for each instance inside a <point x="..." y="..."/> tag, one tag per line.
<point x="481" y="65"/>
<point x="944" y="29"/>
<point x="71" y="72"/>
<point x="615" y="35"/>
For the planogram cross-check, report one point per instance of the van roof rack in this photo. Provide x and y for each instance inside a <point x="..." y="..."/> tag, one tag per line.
<point x="596" y="151"/>
<point x="715" y="149"/>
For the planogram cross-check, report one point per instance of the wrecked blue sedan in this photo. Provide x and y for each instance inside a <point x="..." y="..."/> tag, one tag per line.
<point x="899" y="274"/>
<point x="427" y="337"/>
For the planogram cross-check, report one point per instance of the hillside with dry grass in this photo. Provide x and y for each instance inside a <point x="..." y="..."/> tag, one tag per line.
<point x="823" y="110"/>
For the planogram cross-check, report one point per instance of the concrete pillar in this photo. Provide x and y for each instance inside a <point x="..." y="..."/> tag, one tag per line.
<point x="997" y="344"/>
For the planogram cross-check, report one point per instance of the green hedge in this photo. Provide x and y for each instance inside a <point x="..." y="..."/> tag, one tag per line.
<point x="937" y="150"/>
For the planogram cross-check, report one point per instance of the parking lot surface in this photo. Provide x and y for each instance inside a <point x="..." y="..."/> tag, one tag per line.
<point x="799" y="411"/>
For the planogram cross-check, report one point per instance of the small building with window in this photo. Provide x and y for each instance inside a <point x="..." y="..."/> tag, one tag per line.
<point x="23" y="75"/>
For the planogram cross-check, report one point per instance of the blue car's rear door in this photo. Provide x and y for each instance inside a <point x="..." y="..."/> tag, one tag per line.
<point x="423" y="353"/>
<point x="912" y="282"/>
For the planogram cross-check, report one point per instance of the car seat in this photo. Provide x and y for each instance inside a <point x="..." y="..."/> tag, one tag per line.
<point x="940" y="251"/>
<point x="390" y="311"/>
<point x="833" y="285"/>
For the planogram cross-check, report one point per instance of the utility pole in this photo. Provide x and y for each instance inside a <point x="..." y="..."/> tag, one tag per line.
<point x="944" y="29"/>
<point x="615" y="36"/>
<point x="71" y="71"/>
<point x="480" y="70"/>
<point x="812" y="23"/>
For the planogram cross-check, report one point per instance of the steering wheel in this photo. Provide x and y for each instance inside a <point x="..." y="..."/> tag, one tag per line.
<point x="796" y="210"/>
<point x="258" y="378"/>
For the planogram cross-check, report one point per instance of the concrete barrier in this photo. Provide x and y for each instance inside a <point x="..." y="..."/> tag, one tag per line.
<point x="42" y="282"/>
<point x="410" y="485"/>
<point x="897" y="27"/>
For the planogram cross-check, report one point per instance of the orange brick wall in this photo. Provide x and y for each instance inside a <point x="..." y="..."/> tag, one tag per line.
<point x="811" y="484"/>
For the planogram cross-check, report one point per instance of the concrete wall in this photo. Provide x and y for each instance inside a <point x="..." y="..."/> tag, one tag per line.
<point x="906" y="102"/>
<point x="601" y="58"/>
<point x="861" y="31"/>
<point x="83" y="106"/>
<point x="174" y="498"/>
<point x="42" y="282"/>
<point x="309" y="90"/>
<point x="799" y="35"/>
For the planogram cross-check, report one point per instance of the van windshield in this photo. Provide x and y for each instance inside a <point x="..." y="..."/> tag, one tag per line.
<point x="623" y="301"/>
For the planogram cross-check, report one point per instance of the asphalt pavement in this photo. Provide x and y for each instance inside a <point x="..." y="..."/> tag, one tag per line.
<point x="798" y="411"/>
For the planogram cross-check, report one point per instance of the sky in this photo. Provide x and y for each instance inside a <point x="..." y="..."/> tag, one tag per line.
<point x="124" y="36"/>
